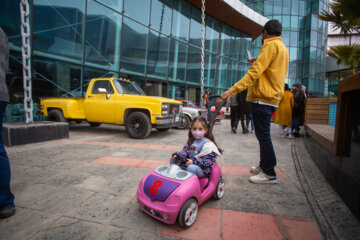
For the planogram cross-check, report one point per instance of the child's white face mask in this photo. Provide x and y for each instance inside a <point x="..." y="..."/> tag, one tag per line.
<point x="198" y="134"/>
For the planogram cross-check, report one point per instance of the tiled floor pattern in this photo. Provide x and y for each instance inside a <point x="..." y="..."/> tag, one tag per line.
<point x="228" y="225"/>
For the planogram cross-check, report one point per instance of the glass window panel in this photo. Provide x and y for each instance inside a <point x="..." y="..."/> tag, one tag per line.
<point x="176" y="91"/>
<point x="277" y="7"/>
<point x="314" y="23"/>
<point x="225" y="40"/>
<point x="95" y="73"/>
<point x="58" y="28"/>
<point x="133" y="46"/>
<point x="195" y="27"/>
<point x="194" y="65"/>
<point x="286" y="5"/>
<point x="233" y="78"/>
<point x="131" y="9"/>
<point x="235" y="44"/>
<point x="302" y="5"/>
<point x="177" y="60"/>
<point x="245" y="44"/>
<point x="313" y="38"/>
<point x="293" y="54"/>
<point x="312" y="67"/>
<point x="161" y="16"/>
<point x="286" y="37"/>
<point x="181" y="22"/>
<point x="294" y="39"/>
<point x="294" y="7"/>
<point x="53" y="78"/>
<point x="294" y="22"/>
<point x="158" y="54"/>
<point x="10" y="21"/>
<point x="102" y="42"/>
<point x="114" y="4"/>
<point x="313" y="53"/>
<point x="223" y="71"/>
<point x="210" y="69"/>
<point x="212" y="34"/>
<point x="285" y="22"/>
<point x="268" y="8"/>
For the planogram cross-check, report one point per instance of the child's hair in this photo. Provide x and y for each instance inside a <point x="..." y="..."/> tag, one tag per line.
<point x="208" y="132"/>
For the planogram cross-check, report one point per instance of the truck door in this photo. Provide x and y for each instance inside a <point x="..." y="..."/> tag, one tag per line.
<point x="100" y="106"/>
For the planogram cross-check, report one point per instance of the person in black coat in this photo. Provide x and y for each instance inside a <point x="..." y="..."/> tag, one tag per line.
<point x="244" y="108"/>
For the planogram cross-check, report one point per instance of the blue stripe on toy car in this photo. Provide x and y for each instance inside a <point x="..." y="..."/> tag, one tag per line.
<point x="158" y="188"/>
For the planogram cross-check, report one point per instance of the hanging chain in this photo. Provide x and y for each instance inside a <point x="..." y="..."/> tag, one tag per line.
<point x="202" y="50"/>
<point x="26" y="60"/>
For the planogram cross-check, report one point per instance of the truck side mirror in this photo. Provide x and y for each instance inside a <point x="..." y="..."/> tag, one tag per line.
<point x="103" y="90"/>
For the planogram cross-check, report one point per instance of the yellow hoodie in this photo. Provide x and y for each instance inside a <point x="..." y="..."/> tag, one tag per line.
<point x="266" y="77"/>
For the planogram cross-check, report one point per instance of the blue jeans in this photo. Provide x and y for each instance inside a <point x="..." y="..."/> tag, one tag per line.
<point x="193" y="168"/>
<point x="6" y="197"/>
<point x="262" y="120"/>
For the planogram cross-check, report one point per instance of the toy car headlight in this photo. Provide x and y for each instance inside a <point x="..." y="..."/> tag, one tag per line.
<point x="165" y="109"/>
<point x="166" y="217"/>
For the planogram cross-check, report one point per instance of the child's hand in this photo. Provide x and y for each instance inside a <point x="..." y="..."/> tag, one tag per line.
<point x="189" y="162"/>
<point x="173" y="157"/>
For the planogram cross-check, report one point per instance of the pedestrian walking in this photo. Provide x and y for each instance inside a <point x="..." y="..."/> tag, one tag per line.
<point x="7" y="206"/>
<point x="284" y="113"/>
<point x="298" y="109"/>
<point x="265" y="80"/>
<point x="234" y="113"/>
<point x="244" y="107"/>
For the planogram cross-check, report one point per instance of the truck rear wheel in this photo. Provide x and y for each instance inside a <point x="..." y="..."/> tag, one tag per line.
<point x="138" y="125"/>
<point x="56" y="115"/>
<point x="94" y="124"/>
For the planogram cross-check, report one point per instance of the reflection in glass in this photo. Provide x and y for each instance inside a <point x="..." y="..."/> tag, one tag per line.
<point x="137" y="10"/>
<point x="90" y="73"/>
<point x="158" y="54"/>
<point x="177" y="60"/>
<point x="225" y="40"/>
<point x="55" y="78"/>
<point x="223" y="71"/>
<point x="195" y="27"/>
<point x="102" y="42"/>
<point x="176" y="91"/>
<point x="161" y="16"/>
<point x="212" y="34"/>
<point x="10" y="21"/>
<point x="58" y="28"/>
<point x="114" y="4"/>
<point x="181" y="22"/>
<point x="209" y="69"/>
<point x="194" y="65"/>
<point x="133" y="46"/>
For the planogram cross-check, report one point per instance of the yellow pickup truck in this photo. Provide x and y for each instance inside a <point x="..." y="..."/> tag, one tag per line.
<point x="116" y="101"/>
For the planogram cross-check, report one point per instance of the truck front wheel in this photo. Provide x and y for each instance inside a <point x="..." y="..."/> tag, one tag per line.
<point x="56" y="115"/>
<point x="138" y="125"/>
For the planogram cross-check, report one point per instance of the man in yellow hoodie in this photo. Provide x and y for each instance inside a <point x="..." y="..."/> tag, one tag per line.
<point x="265" y="82"/>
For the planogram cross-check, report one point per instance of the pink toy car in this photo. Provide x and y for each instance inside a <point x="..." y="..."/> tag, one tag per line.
<point x="169" y="193"/>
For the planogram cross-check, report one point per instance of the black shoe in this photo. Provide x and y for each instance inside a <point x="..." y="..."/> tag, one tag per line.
<point x="233" y="130"/>
<point x="7" y="213"/>
<point x="296" y="134"/>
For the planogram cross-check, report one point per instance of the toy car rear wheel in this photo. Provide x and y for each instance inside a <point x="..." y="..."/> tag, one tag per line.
<point x="184" y="122"/>
<point x="220" y="189"/>
<point x="188" y="213"/>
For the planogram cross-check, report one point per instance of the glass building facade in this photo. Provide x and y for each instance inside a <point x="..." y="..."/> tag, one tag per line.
<point x="156" y="43"/>
<point x="304" y="35"/>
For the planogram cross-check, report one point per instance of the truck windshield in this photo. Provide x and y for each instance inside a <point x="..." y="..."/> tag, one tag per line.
<point x="127" y="87"/>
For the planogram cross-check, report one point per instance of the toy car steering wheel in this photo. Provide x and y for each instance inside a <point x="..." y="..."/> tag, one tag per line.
<point x="179" y="160"/>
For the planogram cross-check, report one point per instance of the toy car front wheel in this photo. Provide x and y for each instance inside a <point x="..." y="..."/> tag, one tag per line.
<point x="220" y="189"/>
<point x="188" y="213"/>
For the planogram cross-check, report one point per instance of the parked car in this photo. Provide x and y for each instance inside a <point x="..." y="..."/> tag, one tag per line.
<point x="190" y="111"/>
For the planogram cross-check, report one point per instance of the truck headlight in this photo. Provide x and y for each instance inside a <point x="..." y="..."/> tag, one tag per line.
<point x="165" y="109"/>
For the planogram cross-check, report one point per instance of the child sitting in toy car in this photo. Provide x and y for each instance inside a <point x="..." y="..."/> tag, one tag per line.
<point x="200" y="153"/>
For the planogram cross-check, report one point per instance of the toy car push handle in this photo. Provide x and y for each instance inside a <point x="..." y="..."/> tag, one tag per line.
<point x="212" y="115"/>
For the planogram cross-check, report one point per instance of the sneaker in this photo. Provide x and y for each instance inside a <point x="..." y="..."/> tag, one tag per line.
<point x="7" y="213"/>
<point x="263" y="178"/>
<point x="290" y="136"/>
<point x="255" y="170"/>
<point x="282" y="136"/>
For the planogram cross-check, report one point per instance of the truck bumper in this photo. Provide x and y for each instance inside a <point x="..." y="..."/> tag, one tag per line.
<point x="168" y="122"/>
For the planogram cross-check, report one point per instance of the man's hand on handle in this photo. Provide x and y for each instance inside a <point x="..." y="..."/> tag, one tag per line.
<point x="225" y="95"/>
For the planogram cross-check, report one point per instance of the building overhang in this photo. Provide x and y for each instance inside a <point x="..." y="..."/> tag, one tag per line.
<point x="234" y="13"/>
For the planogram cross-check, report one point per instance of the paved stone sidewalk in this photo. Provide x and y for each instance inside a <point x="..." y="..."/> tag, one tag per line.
<point x="85" y="187"/>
